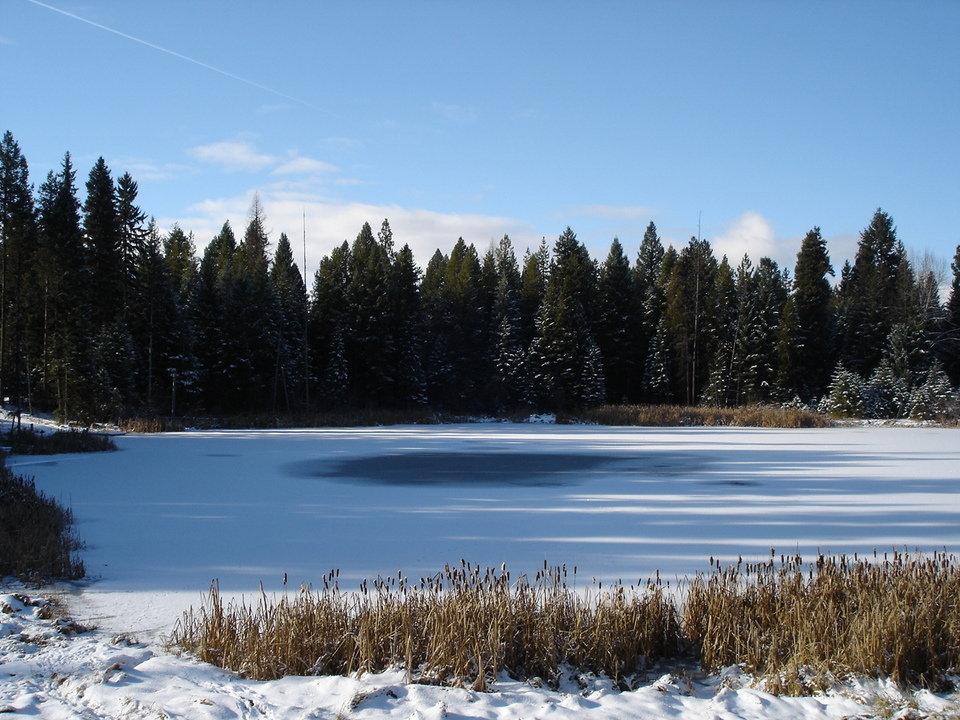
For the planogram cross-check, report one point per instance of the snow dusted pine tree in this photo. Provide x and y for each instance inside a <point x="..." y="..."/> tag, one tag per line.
<point x="563" y="356"/>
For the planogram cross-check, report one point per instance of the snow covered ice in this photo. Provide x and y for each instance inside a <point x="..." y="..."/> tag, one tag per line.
<point x="167" y="514"/>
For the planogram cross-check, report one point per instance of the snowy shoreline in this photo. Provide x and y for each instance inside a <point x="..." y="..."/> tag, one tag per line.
<point x="168" y="513"/>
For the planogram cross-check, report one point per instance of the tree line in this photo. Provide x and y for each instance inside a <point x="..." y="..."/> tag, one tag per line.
<point x="102" y="315"/>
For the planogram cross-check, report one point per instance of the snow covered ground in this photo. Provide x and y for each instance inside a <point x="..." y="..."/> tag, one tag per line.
<point x="167" y="514"/>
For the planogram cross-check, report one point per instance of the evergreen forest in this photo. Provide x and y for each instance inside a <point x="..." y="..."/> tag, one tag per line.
<point x="104" y="316"/>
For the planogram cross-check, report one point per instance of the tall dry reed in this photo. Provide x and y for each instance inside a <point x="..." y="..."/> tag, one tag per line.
<point x="800" y="627"/>
<point x="681" y="416"/>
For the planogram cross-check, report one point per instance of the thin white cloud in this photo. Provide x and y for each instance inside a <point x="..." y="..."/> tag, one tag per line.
<point x="7" y="41"/>
<point x="233" y="155"/>
<point x="454" y="113"/>
<point x="330" y="222"/>
<point x="304" y="166"/>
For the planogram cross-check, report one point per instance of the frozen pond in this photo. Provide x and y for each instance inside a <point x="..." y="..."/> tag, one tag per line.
<point x="169" y="513"/>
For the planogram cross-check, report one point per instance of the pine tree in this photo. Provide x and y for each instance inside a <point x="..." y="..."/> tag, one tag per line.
<point x="369" y="340"/>
<point x="807" y="350"/>
<point x="156" y="323"/>
<point x="932" y="398"/>
<point x="845" y="395"/>
<point x="66" y="333"/>
<point x="690" y="308"/>
<point x="133" y="233"/>
<point x="407" y="322"/>
<point x="180" y="256"/>
<point x="207" y="310"/>
<point x="509" y="388"/>
<point x="948" y="341"/>
<point x="565" y="363"/>
<point x="616" y="326"/>
<point x="649" y="294"/>
<point x="101" y="225"/>
<point x="533" y="286"/>
<point x="329" y="317"/>
<point x="291" y="294"/>
<point x="18" y="248"/>
<point x="875" y="295"/>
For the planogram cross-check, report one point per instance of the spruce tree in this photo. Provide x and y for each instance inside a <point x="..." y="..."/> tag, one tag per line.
<point x="875" y="295"/>
<point x="133" y="233"/>
<point x="616" y="326"/>
<point x="102" y="231"/>
<point x="328" y="323"/>
<point x="948" y="343"/>
<point x="18" y="248"/>
<point x="565" y="363"/>
<point x="369" y="340"/>
<point x="807" y="350"/>
<point x="649" y="293"/>
<point x="407" y="323"/>
<point x="66" y="332"/>
<point x="156" y="322"/>
<point x="289" y="371"/>
<point x="690" y="314"/>
<point x="510" y="383"/>
<point x="533" y="286"/>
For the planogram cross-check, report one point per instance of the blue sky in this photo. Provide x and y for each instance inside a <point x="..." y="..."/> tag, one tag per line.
<point x="760" y="119"/>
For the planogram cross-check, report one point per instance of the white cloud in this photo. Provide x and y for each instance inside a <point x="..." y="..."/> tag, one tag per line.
<point x="751" y="233"/>
<point x="304" y="166"/>
<point x="329" y="222"/>
<point x="233" y="155"/>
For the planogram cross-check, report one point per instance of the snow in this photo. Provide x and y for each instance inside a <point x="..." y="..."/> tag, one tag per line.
<point x="168" y="513"/>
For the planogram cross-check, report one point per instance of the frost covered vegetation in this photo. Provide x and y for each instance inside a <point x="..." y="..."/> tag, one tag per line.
<point x="26" y="441"/>
<point x="36" y="542"/>
<point x="104" y="316"/>
<point x="797" y="627"/>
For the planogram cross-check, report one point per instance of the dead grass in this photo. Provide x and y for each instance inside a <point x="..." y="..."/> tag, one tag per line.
<point x="798" y="627"/>
<point x="26" y="441"/>
<point x="680" y="416"/>
<point x="462" y="626"/>
<point x="36" y="544"/>
<point x="895" y="616"/>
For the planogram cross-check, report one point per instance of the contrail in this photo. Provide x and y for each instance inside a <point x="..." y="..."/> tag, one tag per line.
<point x="175" y="54"/>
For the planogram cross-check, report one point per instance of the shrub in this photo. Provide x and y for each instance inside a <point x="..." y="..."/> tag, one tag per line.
<point x="36" y="544"/>
<point x="27" y="441"/>
<point x="845" y="396"/>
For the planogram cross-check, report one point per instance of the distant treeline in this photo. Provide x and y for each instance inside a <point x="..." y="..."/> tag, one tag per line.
<point x="104" y="316"/>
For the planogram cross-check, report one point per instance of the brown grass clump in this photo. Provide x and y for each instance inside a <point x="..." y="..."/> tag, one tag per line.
<point x="802" y="627"/>
<point x="680" y="416"/>
<point x="26" y="441"/>
<point x="462" y="626"/>
<point x="36" y="544"/>
<point x="799" y="628"/>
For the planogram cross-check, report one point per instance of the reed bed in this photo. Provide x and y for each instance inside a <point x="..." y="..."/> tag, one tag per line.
<point x="36" y="542"/>
<point x="803" y="626"/>
<point x="27" y="441"/>
<point x="462" y="626"/>
<point x="681" y="416"/>
<point x="797" y="627"/>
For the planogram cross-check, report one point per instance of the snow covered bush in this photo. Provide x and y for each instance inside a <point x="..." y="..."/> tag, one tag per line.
<point x="845" y="396"/>
<point x="932" y="399"/>
<point x="887" y="395"/>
